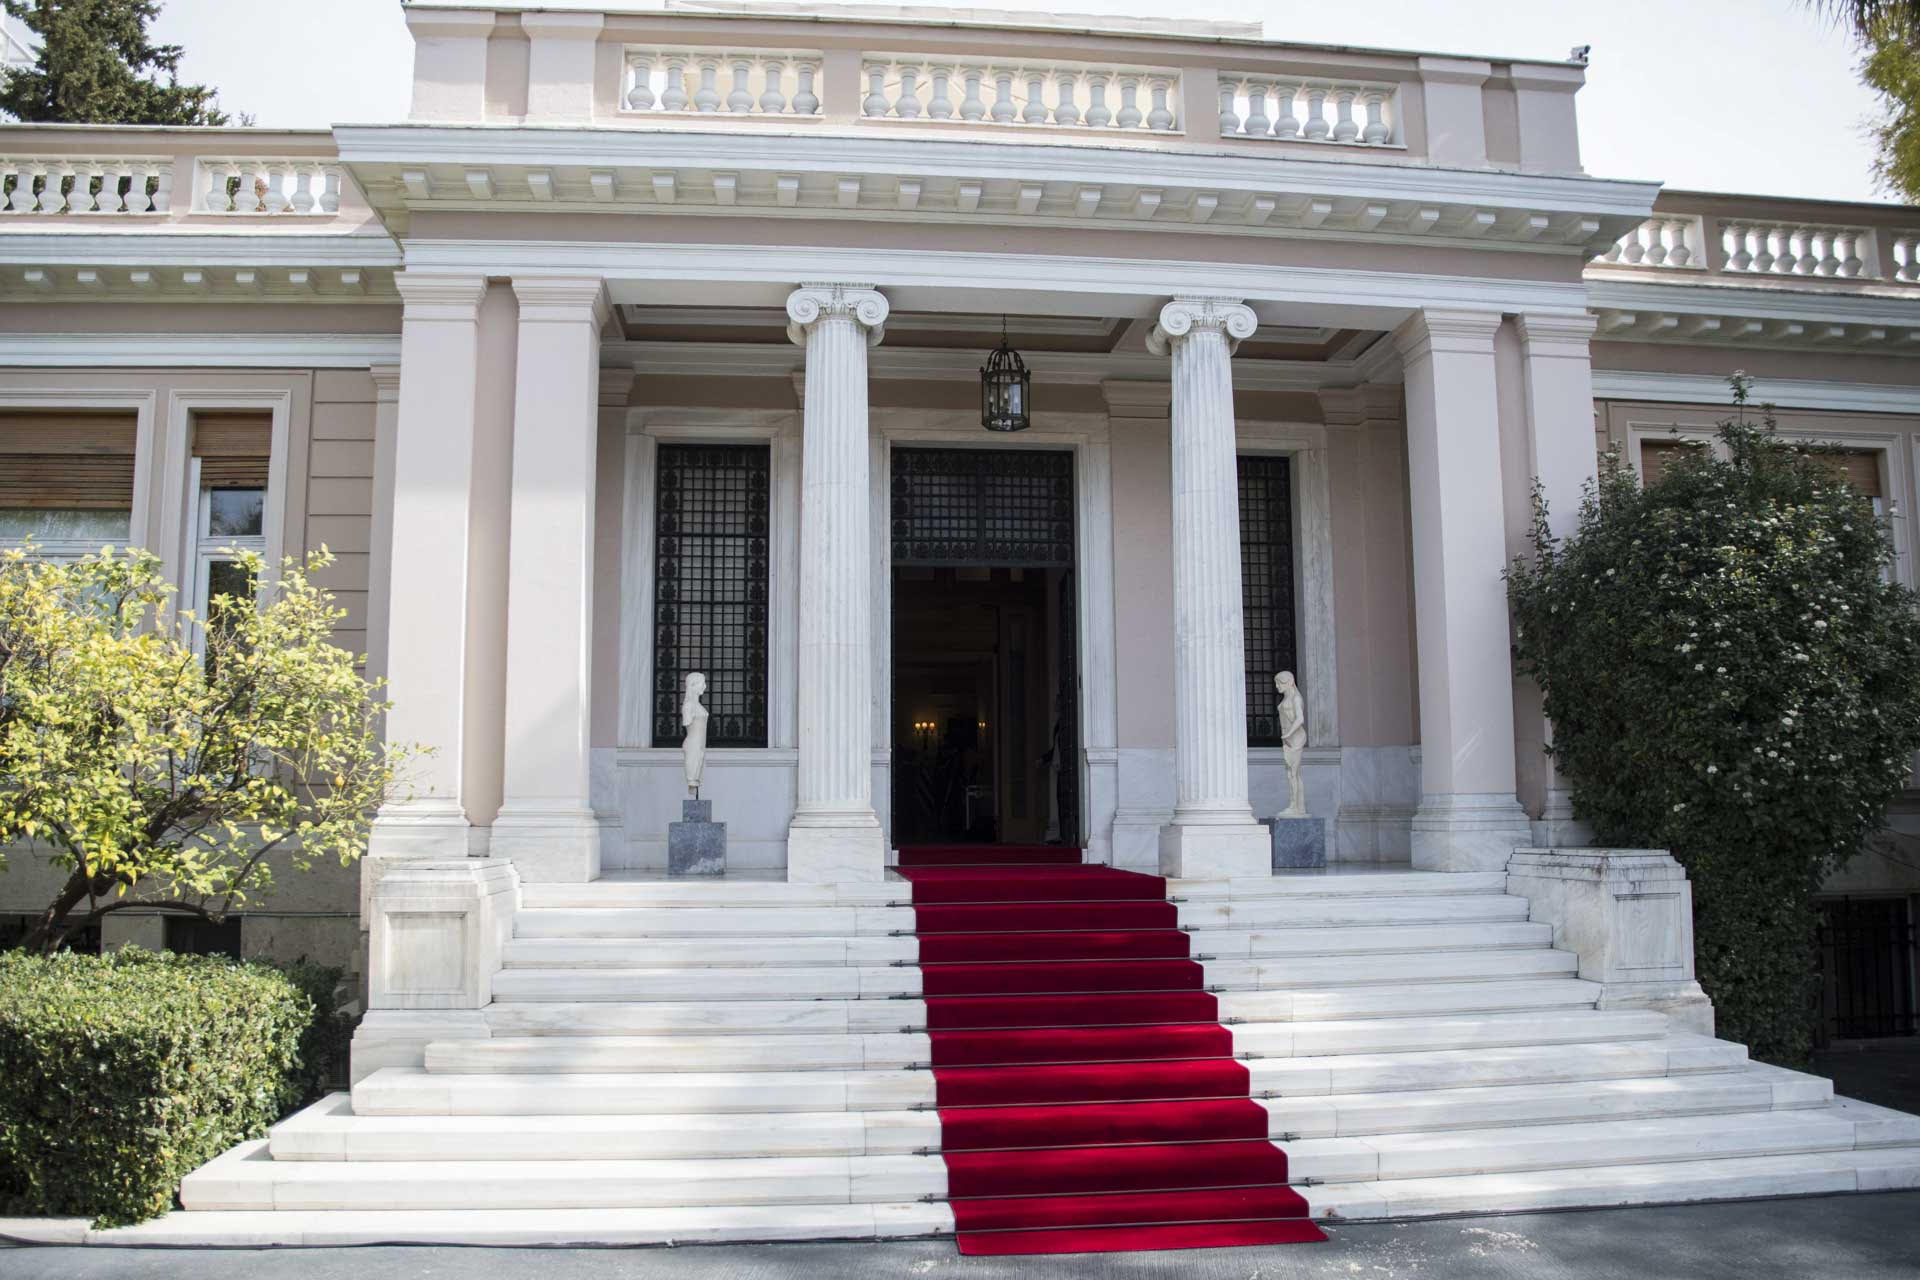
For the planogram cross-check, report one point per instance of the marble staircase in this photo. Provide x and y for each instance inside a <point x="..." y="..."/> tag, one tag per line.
<point x="689" y="1061"/>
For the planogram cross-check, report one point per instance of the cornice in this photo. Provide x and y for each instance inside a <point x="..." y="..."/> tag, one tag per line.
<point x="200" y="350"/>
<point x="1760" y="318"/>
<point x="1792" y="393"/>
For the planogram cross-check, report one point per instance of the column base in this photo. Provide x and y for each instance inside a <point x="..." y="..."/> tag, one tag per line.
<point x="1556" y="827"/>
<point x="841" y="851"/>
<point x="1468" y="831"/>
<point x="419" y="829"/>
<point x="548" y="846"/>
<point x="1225" y="851"/>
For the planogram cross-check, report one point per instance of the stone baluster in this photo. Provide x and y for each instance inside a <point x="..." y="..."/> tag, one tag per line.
<point x="1377" y="132"/>
<point x="303" y="198"/>
<point x="806" y="102"/>
<point x="47" y="199"/>
<point x="1099" y="115"/>
<point x="1285" y="123"/>
<point x="673" y="93"/>
<point x="1129" y="116"/>
<point x="1679" y="252"/>
<point x="163" y="188"/>
<point x="835" y="835"/>
<point x="1806" y="259"/>
<point x="1213" y="834"/>
<point x="1229" y="118"/>
<point x="640" y="96"/>
<point x="773" y="97"/>
<point x="1830" y="257"/>
<point x="907" y="105"/>
<point x="1258" y="125"/>
<point x="1852" y="264"/>
<point x="1656" y="229"/>
<point x="1317" y="128"/>
<point x="1635" y="250"/>
<point x="19" y="184"/>
<point x="972" y="107"/>
<point x="134" y="198"/>
<point x="1740" y="257"/>
<point x="1066" y="106"/>
<point x="1344" y="127"/>
<point x="80" y="194"/>
<point x="1160" y="117"/>
<point x="940" y="107"/>
<point x="1035" y="112"/>
<point x="1003" y="108"/>
<point x="1907" y="251"/>
<point x="274" y="199"/>
<point x="740" y="98"/>
<point x="875" y="104"/>
<point x="707" y="96"/>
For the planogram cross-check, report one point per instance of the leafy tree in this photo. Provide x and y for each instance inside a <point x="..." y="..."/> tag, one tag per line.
<point x="96" y="65"/>
<point x="164" y="760"/>
<point x="1892" y="68"/>
<point x="1730" y="675"/>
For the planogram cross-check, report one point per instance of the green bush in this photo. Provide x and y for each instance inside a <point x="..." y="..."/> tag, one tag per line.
<point x="120" y="1074"/>
<point x="1730" y="675"/>
<point x="328" y="1039"/>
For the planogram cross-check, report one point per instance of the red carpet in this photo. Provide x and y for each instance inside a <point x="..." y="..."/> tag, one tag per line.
<point x="1089" y="1100"/>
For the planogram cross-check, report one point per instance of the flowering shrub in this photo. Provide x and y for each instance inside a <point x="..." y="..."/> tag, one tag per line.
<point x="1730" y="675"/>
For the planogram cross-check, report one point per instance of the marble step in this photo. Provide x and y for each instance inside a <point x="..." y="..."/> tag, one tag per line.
<point x="1334" y="911"/>
<point x="517" y="983"/>
<point x="827" y="1016"/>
<point x="534" y="1228"/>
<point x="416" y="1092"/>
<point x="896" y="1050"/>
<point x="734" y="921"/>
<point x="1358" y="940"/>
<point x="704" y="952"/>
<point x="329" y="1130"/>
<point x="725" y="892"/>
<point x="1342" y="882"/>
<point x="1589" y="1187"/>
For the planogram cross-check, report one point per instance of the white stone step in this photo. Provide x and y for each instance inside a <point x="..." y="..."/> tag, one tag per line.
<point x="628" y="1054"/>
<point x="719" y="891"/>
<point x="1334" y="910"/>
<point x="734" y="921"/>
<point x="530" y="1228"/>
<point x="248" y="1178"/>
<point x="1341" y="882"/>
<point x="1667" y="1182"/>
<point x="831" y="982"/>
<point x="1387" y="967"/>
<point x="710" y="1017"/>
<point x="1357" y="940"/>
<point x="674" y="953"/>
<point x="1475" y="1068"/>
<point x="1463" y="1031"/>
<point x="1412" y="1000"/>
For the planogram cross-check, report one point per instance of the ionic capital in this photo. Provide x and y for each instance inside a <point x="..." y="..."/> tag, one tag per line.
<point x="1188" y="314"/>
<point x="812" y="303"/>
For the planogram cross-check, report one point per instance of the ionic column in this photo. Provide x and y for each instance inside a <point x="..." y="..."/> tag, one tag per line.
<point x="546" y="822"/>
<point x="1213" y="834"/>
<point x="835" y="835"/>
<point x="427" y="594"/>
<point x="1557" y="367"/>
<point x="1469" y="818"/>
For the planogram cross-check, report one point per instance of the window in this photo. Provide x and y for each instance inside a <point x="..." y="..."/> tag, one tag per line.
<point x="1861" y="469"/>
<point x="1657" y="455"/>
<point x="711" y="521"/>
<point x="66" y="481"/>
<point x="192" y="936"/>
<point x="1867" y="968"/>
<point x="1266" y="586"/>
<point x="230" y="457"/>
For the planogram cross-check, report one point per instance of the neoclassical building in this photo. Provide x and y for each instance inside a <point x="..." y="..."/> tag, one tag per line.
<point x="658" y="342"/>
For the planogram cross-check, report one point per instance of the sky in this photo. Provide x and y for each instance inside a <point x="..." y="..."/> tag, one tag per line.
<point x="1756" y="96"/>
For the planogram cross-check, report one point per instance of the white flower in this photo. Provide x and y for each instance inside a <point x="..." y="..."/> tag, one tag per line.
<point x="1721" y="670"/>
<point x="1713" y="768"/>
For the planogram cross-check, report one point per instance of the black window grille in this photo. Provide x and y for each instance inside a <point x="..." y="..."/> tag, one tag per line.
<point x="710" y="589"/>
<point x="192" y="936"/>
<point x="1266" y="586"/>
<point x="1867" y="956"/>
<point x="994" y="507"/>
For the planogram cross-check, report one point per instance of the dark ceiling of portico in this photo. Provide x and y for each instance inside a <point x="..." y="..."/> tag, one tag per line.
<point x="942" y="331"/>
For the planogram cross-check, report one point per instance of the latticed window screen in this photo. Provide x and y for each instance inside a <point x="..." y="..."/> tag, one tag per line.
<point x="1266" y="586"/>
<point x="1005" y="507"/>
<point x="710" y="589"/>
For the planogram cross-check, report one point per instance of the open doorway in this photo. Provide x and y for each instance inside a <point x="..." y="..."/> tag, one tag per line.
<point x="985" y="743"/>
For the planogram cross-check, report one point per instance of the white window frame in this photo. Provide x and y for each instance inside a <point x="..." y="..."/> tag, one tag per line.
<point x="209" y="548"/>
<point x="143" y="404"/>
<point x="180" y="511"/>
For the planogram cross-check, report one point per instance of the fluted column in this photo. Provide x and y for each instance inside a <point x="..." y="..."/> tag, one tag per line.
<point x="1469" y="818"/>
<point x="546" y="822"/>
<point x="835" y="835"/>
<point x="1213" y="833"/>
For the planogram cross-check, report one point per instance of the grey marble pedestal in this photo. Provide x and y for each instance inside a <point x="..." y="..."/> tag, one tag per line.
<point x="1299" y="843"/>
<point x="696" y="845"/>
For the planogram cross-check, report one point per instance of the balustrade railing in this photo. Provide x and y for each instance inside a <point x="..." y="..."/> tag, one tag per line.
<point x="1768" y="248"/>
<point x="746" y="83"/>
<point x="49" y="184"/>
<point x="255" y="185"/>
<point x="1661" y="242"/>
<point x="1796" y="249"/>
<point x="1309" y="111"/>
<point x="1053" y="94"/>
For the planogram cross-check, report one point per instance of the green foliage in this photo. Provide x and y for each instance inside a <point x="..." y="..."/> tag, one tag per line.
<point x="96" y="65"/>
<point x="120" y="1074"/>
<point x="159" y="777"/>
<point x="325" y="1044"/>
<point x="1730" y="675"/>
<point x="1892" y="68"/>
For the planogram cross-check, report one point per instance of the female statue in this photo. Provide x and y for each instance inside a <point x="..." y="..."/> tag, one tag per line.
<point x="693" y="717"/>
<point x="1293" y="741"/>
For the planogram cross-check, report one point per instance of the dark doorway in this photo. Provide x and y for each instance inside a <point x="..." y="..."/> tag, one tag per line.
<point x="984" y="691"/>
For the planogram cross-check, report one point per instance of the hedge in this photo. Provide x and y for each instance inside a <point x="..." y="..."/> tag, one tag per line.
<point x="120" y="1074"/>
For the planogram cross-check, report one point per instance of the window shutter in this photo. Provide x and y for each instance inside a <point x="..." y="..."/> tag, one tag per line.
<point x="1859" y="468"/>
<point x="1657" y="455"/>
<point x="66" y="461"/>
<point x="233" y="448"/>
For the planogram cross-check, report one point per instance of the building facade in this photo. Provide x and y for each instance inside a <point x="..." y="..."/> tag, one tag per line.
<point x="650" y="344"/>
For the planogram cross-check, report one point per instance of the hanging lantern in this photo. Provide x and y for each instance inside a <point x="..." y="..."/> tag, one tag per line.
<point x="1004" y="383"/>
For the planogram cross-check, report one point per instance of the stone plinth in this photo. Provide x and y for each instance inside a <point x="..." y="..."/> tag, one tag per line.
<point x="1299" y="843"/>
<point x="1628" y="915"/>
<point x="696" y="845"/>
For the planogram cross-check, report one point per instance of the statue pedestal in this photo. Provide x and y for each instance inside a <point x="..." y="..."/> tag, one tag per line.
<point x="696" y="845"/>
<point x="1299" y="843"/>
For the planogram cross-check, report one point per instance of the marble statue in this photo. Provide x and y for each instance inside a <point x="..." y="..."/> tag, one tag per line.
<point x="1293" y="741"/>
<point x="693" y="717"/>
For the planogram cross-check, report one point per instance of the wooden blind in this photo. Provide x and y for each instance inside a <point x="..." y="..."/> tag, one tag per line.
<point x="66" y="461"/>
<point x="1657" y="455"/>
<point x="1859" y="468"/>
<point x="233" y="449"/>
